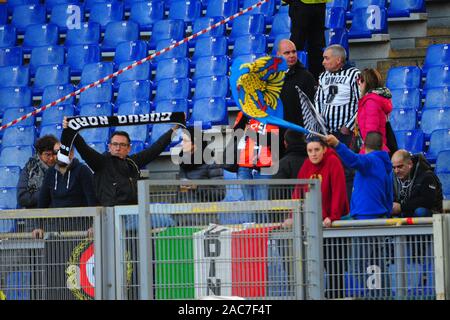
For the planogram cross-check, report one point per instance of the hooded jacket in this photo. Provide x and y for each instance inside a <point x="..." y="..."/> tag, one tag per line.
<point x="422" y="190"/>
<point x="372" y="195"/>
<point x="74" y="188"/>
<point x="30" y="182"/>
<point x="292" y="161"/>
<point x="373" y="110"/>
<point x="331" y="174"/>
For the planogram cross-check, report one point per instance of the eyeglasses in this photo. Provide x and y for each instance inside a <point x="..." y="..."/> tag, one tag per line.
<point x="49" y="154"/>
<point x="121" y="144"/>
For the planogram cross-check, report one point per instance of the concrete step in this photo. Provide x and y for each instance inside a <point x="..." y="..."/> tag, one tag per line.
<point x="438" y="31"/>
<point x="407" y="53"/>
<point x="384" y="66"/>
<point x="428" y="41"/>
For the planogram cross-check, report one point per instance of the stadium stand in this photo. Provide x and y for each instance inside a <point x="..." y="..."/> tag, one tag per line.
<point x="51" y="74"/>
<point x="11" y="114"/>
<point x="9" y="176"/>
<point x="88" y="33"/>
<point x="14" y="97"/>
<point x="54" y="92"/>
<point x="12" y="56"/>
<point x="63" y="15"/>
<point x="80" y="55"/>
<point x="40" y="35"/>
<point x="104" y="13"/>
<point x="146" y="13"/>
<point x="14" y="76"/>
<point x="7" y="36"/>
<point x="26" y="15"/>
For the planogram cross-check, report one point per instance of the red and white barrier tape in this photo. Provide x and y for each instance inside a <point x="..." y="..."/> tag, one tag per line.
<point x="134" y="64"/>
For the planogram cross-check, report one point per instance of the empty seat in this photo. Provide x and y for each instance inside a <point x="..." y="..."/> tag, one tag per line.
<point x="204" y="23"/>
<point x="249" y="44"/>
<point x="187" y="11"/>
<point x="444" y="178"/>
<point x="364" y="4"/>
<point x="11" y="4"/>
<point x="56" y="114"/>
<point x="437" y="97"/>
<point x="246" y="58"/>
<point x="14" y="76"/>
<point x="335" y="17"/>
<point x="134" y="107"/>
<point x="7" y="36"/>
<point x="175" y="105"/>
<point x="98" y="94"/>
<point x="411" y="140"/>
<point x="11" y="56"/>
<point x="159" y="129"/>
<point x="16" y="155"/>
<point x="210" y="112"/>
<point x="88" y="33"/>
<point x="95" y="134"/>
<point x="55" y="92"/>
<point x="281" y="25"/>
<point x="210" y="46"/>
<point x="50" y="4"/>
<point x="170" y="89"/>
<point x="221" y="8"/>
<point x="88" y="4"/>
<point x="134" y="91"/>
<point x="180" y="51"/>
<point x="50" y="75"/>
<point x="100" y="147"/>
<point x="337" y="36"/>
<point x="54" y="129"/>
<point x="65" y="16"/>
<point x="9" y="176"/>
<point x="14" y="97"/>
<point x="403" y="8"/>
<point x="211" y="87"/>
<point x="136" y="132"/>
<point x="368" y="21"/>
<point x="266" y="9"/>
<point x="406" y="98"/>
<point x="94" y="71"/>
<point x="25" y="15"/>
<point x="18" y="135"/>
<point x="146" y="13"/>
<point x="130" y="51"/>
<point x="96" y="109"/>
<point x="41" y="56"/>
<point x="172" y="68"/>
<point x="8" y="198"/>
<point x="140" y="72"/>
<point x="117" y="32"/>
<point x="3" y="14"/>
<point x="438" y="76"/>
<point x="40" y="35"/>
<point x="166" y="29"/>
<point x="137" y="146"/>
<point x="104" y="13"/>
<point x="80" y="55"/>
<point x="211" y="66"/>
<point x="435" y="118"/>
<point x="437" y="55"/>
<point x="403" y="119"/>
<point x="439" y="141"/>
<point x="11" y="114"/>
<point x="247" y="24"/>
<point x="443" y="161"/>
<point x="403" y="77"/>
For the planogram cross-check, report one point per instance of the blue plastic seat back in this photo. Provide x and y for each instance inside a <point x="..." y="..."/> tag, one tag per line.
<point x="438" y="76"/>
<point x="339" y="3"/>
<point x="134" y="107"/>
<point x="41" y="56"/>
<point x="403" y="77"/>
<point x="11" y="114"/>
<point x="8" y="198"/>
<point x="137" y="146"/>
<point x="222" y="8"/>
<point x="439" y="140"/>
<point x="406" y="98"/>
<point x="104" y="13"/>
<point x="166" y="29"/>
<point x="130" y="51"/>
<point x="337" y="36"/>
<point x="16" y="155"/>
<point x="19" y="135"/>
<point x="444" y="178"/>
<point x="100" y="147"/>
<point x="249" y="44"/>
<point x="136" y="132"/>
<point x="56" y="114"/>
<point x="96" y="134"/>
<point x="50" y="4"/>
<point x="443" y="161"/>
<point x="172" y="68"/>
<point x="159" y="129"/>
<point x="48" y="75"/>
<point x="267" y="9"/>
<point x="7" y="36"/>
<point x="210" y="46"/>
<point x="147" y="13"/>
<point x="65" y="15"/>
<point x="39" y="35"/>
<point x="54" y="129"/>
<point x="80" y="55"/>
<point x="169" y="89"/>
<point x="88" y="4"/>
<point x="25" y="15"/>
<point x="180" y="51"/>
<point x="403" y="8"/>
<point x="140" y="72"/>
<point x="119" y="31"/>
<point x="435" y="118"/>
<point x="96" y="109"/>
<point x="205" y="22"/>
<point x="12" y="56"/>
<point x="98" y="94"/>
<point x="14" y="76"/>
<point x="368" y="21"/>
<point x="55" y="92"/>
<point x="187" y="11"/>
<point x="209" y="111"/>
<point x="3" y="13"/>
<point x="134" y="91"/>
<point x="176" y="105"/>
<point x="88" y="33"/>
<point x="403" y="119"/>
<point x="437" y="54"/>
<point x="14" y="97"/>
<point x="9" y="176"/>
<point x="247" y="24"/>
<point x="411" y="140"/>
<point x="281" y="25"/>
<point x="211" y="87"/>
<point x="437" y="97"/>
<point x="362" y="4"/>
<point x="211" y="66"/>
<point x="11" y="4"/>
<point x="335" y="17"/>
<point x="94" y="71"/>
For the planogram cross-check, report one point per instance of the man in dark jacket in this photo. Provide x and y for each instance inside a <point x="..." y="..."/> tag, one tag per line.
<point x="294" y="157"/>
<point x="417" y="190"/>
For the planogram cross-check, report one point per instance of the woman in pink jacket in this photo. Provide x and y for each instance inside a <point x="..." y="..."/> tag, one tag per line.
<point x="374" y="106"/>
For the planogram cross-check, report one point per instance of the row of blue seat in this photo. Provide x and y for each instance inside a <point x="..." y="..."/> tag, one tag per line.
<point x="411" y="77"/>
<point x="395" y="8"/>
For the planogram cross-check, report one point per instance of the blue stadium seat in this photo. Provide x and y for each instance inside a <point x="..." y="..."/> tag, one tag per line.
<point x="187" y="11"/>
<point x="335" y="17"/>
<point x="403" y="119"/>
<point x="368" y="21"/>
<point x="128" y="3"/>
<point x="11" y="114"/>
<point x="439" y="141"/>
<point x="166" y="29"/>
<point x="337" y="36"/>
<point x="130" y="51"/>
<point x="134" y="91"/>
<point x="141" y="72"/>
<point x="80" y="55"/>
<point x="403" y="77"/>
<point x="209" y="111"/>
<point x="16" y="155"/>
<point x="147" y="13"/>
<point x="136" y="132"/>
<point x="159" y="129"/>
<point x="40" y="35"/>
<point x="281" y="25"/>
<point x="437" y="97"/>
<point x="3" y="13"/>
<point x="9" y="176"/>
<point x="14" y="76"/>
<point x="364" y="4"/>
<point x="437" y="55"/>
<point x="56" y="114"/>
<point x="25" y="15"/>
<point x="247" y="24"/>
<point x="48" y="75"/>
<point x="117" y="32"/>
<point x="100" y="147"/>
<point x="210" y="46"/>
<point x="267" y="9"/>
<point x="65" y="15"/>
<point x="403" y="8"/>
<point x="96" y="134"/>
<point x="339" y="3"/>
<point x="19" y="135"/>
<point x="172" y="68"/>
<point x="411" y="140"/>
<point x="443" y="161"/>
<point x="14" y="97"/>
<point x="98" y="94"/>
<point x="221" y="8"/>
<point x="249" y="44"/>
<point x="11" y="56"/>
<point x="88" y="33"/>
<point x="94" y="71"/>
<point x="50" y="4"/>
<point x="137" y="146"/>
<point x="205" y="22"/>
<point x="11" y="4"/>
<point x="444" y="178"/>
<point x="211" y="66"/>
<point x="406" y="98"/>
<point x="8" y="198"/>
<point x="211" y="87"/>
<point x="178" y="52"/>
<point x="7" y="36"/>
<point x="134" y="107"/>
<point x="96" y="109"/>
<point x="438" y="76"/>
<point x="104" y="13"/>
<point x="170" y="89"/>
<point x="246" y="58"/>
<point x="435" y="118"/>
<point x="88" y="4"/>
<point x="176" y="105"/>
<point x="41" y="56"/>
<point x="54" y="129"/>
<point x="54" y="92"/>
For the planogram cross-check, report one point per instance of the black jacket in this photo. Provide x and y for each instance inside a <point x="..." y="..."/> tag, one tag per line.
<point x="30" y="181"/>
<point x="424" y="191"/>
<point x="291" y="163"/>
<point x="115" y="179"/>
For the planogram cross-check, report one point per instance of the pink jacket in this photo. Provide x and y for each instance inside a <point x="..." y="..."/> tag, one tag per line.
<point x="373" y="109"/>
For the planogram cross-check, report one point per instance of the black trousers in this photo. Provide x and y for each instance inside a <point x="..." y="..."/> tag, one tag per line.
<point x="307" y="32"/>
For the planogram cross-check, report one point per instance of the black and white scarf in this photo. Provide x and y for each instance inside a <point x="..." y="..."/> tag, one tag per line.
<point x="312" y="120"/>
